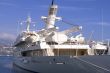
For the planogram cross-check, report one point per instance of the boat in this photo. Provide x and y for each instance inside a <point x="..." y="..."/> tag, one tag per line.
<point x="50" y="50"/>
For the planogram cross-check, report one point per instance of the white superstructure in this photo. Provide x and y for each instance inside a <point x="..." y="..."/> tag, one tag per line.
<point x="49" y="43"/>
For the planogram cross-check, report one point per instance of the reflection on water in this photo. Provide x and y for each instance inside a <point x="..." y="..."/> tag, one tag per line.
<point x="6" y="66"/>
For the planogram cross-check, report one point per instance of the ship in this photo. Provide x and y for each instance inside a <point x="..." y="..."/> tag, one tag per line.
<point x="50" y="50"/>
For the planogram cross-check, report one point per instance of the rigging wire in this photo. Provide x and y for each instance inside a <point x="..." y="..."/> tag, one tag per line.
<point x="69" y="23"/>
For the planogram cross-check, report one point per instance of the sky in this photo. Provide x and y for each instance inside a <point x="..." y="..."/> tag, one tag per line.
<point x="92" y="15"/>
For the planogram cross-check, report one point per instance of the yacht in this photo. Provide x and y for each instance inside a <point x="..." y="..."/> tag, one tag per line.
<point x="50" y="50"/>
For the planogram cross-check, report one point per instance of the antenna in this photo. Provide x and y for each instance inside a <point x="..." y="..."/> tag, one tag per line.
<point x="52" y="2"/>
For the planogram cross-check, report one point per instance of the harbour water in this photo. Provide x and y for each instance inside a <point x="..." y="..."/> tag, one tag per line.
<point x="6" y="65"/>
<point x="99" y="64"/>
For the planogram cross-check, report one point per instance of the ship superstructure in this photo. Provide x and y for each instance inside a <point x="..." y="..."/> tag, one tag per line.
<point x="41" y="48"/>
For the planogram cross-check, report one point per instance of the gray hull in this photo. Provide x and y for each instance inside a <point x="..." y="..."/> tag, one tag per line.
<point x="56" y="65"/>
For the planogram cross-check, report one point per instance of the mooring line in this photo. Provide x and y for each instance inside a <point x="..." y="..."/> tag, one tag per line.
<point x="93" y="64"/>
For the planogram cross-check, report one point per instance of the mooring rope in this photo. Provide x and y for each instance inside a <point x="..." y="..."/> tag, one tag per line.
<point x="93" y="64"/>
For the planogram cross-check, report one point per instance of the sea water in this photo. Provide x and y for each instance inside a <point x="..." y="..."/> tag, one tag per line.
<point x="6" y="65"/>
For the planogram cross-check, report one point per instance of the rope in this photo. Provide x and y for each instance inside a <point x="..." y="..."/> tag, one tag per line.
<point x="93" y="64"/>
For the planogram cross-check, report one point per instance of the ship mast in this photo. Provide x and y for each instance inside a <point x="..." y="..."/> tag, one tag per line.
<point x="51" y="18"/>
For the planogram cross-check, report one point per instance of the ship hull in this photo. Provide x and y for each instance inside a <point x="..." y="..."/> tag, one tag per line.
<point x="45" y="64"/>
<point x="57" y="65"/>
